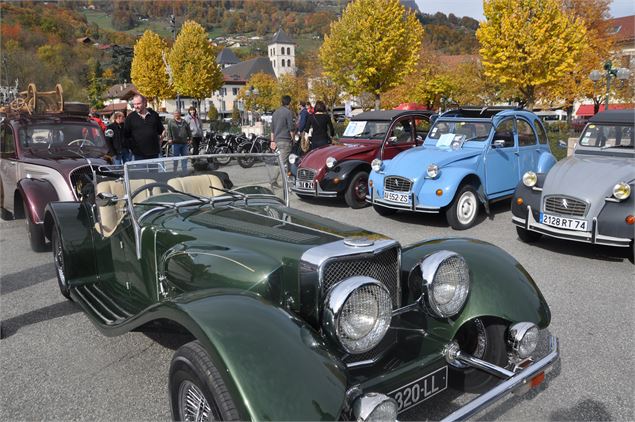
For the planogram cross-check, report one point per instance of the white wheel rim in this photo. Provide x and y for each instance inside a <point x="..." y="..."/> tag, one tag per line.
<point x="466" y="208"/>
<point x="193" y="404"/>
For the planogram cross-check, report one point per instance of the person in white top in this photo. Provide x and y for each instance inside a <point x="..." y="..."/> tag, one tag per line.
<point x="196" y="127"/>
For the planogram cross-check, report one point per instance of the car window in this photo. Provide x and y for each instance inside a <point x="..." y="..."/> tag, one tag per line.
<point x="402" y="131"/>
<point x="526" y="135"/>
<point x="8" y="143"/>
<point x="422" y="127"/>
<point x="505" y="132"/>
<point x="607" y="136"/>
<point x="471" y="131"/>
<point x="43" y="135"/>
<point x="542" y="135"/>
<point x="366" y="129"/>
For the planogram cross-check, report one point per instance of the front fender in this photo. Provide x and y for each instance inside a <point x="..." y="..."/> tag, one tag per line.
<point x="36" y="193"/>
<point x="343" y="172"/>
<point x="448" y="181"/>
<point x="545" y="162"/>
<point x="277" y="365"/>
<point x="500" y="286"/>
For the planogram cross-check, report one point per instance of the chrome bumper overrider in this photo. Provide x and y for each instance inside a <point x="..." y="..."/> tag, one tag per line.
<point x="513" y="380"/>
<point x="579" y="236"/>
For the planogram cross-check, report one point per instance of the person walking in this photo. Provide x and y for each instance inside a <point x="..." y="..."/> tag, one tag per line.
<point x="117" y="144"/>
<point x="282" y="132"/>
<point x="180" y="137"/>
<point x="196" y="127"/>
<point x="321" y="126"/>
<point x="142" y="130"/>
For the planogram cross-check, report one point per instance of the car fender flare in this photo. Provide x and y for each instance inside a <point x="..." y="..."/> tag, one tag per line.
<point x="545" y="162"/>
<point x="36" y="193"/>
<point x="263" y="350"/>
<point x="500" y="287"/>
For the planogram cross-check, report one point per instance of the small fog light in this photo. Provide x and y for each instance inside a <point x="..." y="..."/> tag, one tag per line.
<point x="375" y="407"/>
<point x="336" y="180"/>
<point x="523" y="338"/>
<point x="530" y="179"/>
<point x="439" y="192"/>
<point x="519" y="201"/>
<point x="630" y="219"/>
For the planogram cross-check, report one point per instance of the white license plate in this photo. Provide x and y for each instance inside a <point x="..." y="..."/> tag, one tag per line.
<point x="563" y="223"/>
<point x="422" y="389"/>
<point x="402" y="198"/>
<point x="303" y="184"/>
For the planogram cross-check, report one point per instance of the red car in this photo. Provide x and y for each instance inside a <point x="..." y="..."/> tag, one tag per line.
<point x="341" y="169"/>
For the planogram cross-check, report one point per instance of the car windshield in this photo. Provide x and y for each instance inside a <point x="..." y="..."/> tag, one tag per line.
<point x="445" y="132"/>
<point x="607" y="136"/>
<point x="206" y="180"/>
<point x="60" y="135"/>
<point x="366" y="129"/>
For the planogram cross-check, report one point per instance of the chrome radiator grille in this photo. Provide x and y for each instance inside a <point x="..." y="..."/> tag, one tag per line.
<point x="80" y="177"/>
<point x="383" y="266"/>
<point x="565" y="206"/>
<point x="306" y="174"/>
<point x="397" y="184"/>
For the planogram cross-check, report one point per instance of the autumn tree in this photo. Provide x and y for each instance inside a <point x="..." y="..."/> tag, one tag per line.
<point x="295" y="87"/>
<point x="148" y="71"/>
<point x="192" y="60"/>
<point x="371" y="47"/>
<point x="260" y="93"/>
<point x="326" y="90"/>
<point x="529" y="44"/>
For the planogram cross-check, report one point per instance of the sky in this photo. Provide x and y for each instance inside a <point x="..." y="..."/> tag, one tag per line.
<point x="474" y="8"/>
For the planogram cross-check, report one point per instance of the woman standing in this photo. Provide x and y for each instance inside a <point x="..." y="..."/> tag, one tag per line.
<point x="320" y="126"/>
<point x="117" y="145"/>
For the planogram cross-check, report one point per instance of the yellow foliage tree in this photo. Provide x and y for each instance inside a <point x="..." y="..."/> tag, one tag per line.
<point x="372" y="47"/>
<point x="148" y="71"/>
<point x="326" y="90"/>
<point x="192" y="60"/>
<point x="529" y="44"/>
<point x="260" y="93"/>
<point x="294" y="86"/>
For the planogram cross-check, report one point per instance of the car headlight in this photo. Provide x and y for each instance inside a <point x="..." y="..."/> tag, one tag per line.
<point x="375" y="407"/>
<point x="330" y="162"/>
<point x="523" y="338"/>
<point x="376" y="165"/>
<point x="446" y="282"/>
<point x="292" y="158"/>
<point x="433" y="171"/>
<point x="530" y="179"/>
<point x="621" y="191"/>
<point x="357" y="313"/>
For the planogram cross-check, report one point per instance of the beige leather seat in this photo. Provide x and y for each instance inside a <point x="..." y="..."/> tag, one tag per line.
<point x="111" y="215"/>
<point x="200" y="185"/>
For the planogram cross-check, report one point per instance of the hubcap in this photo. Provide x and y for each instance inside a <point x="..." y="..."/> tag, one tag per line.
<point x="58" y="258"/>
<point x="361" y="189"/>
<point x="466" y="208"/>
<point x="192" y="404"/>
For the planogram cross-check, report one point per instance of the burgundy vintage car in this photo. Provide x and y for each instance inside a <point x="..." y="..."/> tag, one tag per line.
<point x="46" y="157"/>
<point x="341" y="169"/>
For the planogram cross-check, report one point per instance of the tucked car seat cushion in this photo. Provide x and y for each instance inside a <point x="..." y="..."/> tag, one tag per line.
<point x="111" y="215"/>
<point x="201" y="185"/>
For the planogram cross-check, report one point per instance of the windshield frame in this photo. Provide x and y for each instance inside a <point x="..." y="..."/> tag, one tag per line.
<point x="353" y="123"/>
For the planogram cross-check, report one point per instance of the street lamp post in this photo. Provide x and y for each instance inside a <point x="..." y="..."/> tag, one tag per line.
<point x="620" y="73"/>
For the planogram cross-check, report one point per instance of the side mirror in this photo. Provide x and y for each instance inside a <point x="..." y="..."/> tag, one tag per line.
<point x="105" y="199"/>
<point x="498" y="143"/>
<point x="562" y="144"/>
<point x="392" y="140"/>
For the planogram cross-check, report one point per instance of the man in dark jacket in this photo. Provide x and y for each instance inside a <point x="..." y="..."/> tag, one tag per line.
<point x="143" y="129"/>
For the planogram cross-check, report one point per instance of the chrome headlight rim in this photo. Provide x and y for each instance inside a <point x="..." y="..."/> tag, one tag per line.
<point x="365" y="407"/>
<point x="337" y="299"/>
<point x="621" y="191"/>
<point x="530" y="179"/>
<point x="522" y="338"/>
<point x="292" y="158"/>
<point x="432" y="171"/>
<point x="330" y="162"/>
<point x="429" y="267"/>
<point x="376" y="165"/>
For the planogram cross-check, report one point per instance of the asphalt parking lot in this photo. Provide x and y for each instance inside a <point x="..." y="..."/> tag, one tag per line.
<point x="55" y="365"/>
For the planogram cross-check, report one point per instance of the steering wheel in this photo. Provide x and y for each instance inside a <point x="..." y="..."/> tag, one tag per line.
<point x="152" y="186"/>
<point x="82" y="141"/>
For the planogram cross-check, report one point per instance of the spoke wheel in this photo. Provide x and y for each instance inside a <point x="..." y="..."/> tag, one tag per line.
<point x="193" y="404"/>
<point x="355" y="195"/>
<point x="462" y="213"/>
<point x="58" y="260"/>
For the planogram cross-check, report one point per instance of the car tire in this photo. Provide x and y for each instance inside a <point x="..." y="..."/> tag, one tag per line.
<point x="246" y="162"/>
<point x="35" y="232"/>
<point x="60" y="266"/>
<point x="384" y="211"/>
<point x="356" y="191"/>
<point x="5" y="215"/>
<point x="483" y="339"/>
<point x="224" y="149"/>
<point x="195" y="379"/>
<point x="462" y="213"/>
<point x="527" y="236"/>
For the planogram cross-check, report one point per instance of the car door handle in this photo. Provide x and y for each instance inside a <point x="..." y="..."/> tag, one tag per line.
<point x="516" y="153"/>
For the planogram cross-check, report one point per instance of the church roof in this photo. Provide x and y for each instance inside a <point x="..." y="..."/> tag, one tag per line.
<point x="281" y="37"/>
<point x="241" y="72"/>
<point x="226" y="56"/>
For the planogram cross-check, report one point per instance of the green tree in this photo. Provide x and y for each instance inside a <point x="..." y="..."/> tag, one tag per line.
<point x="235" y="115"/>
<point x="212" y="113"/>
<point x="96" y="86"/>
<point x="529" y="44"/>
<point x="148" y="70"/>
<point x="192" y="60"/>
<point x="372" y="47"/>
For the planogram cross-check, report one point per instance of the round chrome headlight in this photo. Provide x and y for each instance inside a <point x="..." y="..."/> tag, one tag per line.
<point x="621" y="191"/>
<point x="446" y="282"/>
<point x="523" y="338"/>
<point x="530" y="179"/>
<point x="375" y="407"/>
<point x="330" y="162"/>
<point x="357" y="313"/>
<point x="292" y="158"/>
<point x="109" y="133"/>
<point x="376" y="164"/>
<point x="433" y="171"/>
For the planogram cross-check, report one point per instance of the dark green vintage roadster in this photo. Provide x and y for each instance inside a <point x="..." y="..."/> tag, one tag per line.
<point x="292" y="316"/>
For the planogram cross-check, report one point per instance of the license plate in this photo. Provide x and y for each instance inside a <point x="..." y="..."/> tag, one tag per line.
<point x="302" y="184"/>
<point x="422" y="389"/>
<point x="402" y="198"/>
<point x="563" y="223"/>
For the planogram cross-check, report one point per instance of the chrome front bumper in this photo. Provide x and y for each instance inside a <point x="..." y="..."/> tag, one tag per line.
<point x="513" y="380"/>
<point x="318" y="192"/>
<point x="593" y="236"/>
<point x="406" y="207"/>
